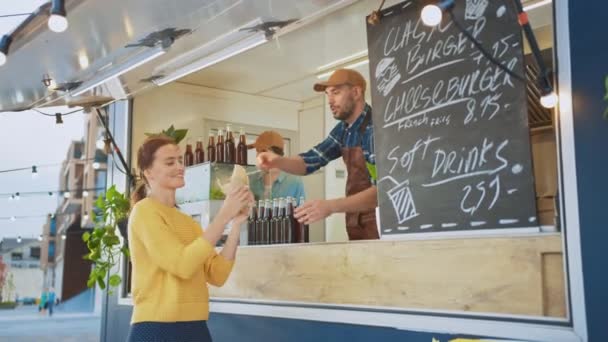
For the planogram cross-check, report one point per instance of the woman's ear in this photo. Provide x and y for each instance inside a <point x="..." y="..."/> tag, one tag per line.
<point x="146" y="174"/>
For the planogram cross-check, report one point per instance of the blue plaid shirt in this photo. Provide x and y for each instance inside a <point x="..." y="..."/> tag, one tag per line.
<point x="331" y="148"/>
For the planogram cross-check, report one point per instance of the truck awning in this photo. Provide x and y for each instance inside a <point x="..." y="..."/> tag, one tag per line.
<point x="114" y="49"/>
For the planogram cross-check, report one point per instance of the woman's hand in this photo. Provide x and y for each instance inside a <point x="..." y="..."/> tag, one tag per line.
<point x="236" y="204"/>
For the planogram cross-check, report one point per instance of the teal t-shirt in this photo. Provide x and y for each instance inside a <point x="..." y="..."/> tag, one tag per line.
<point x="285" y="185"/>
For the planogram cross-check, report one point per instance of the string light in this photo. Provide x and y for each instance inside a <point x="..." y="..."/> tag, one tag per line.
<point x="85" y="194"/>
<point x="432" y="15"/>
<point x="34" y="172"/>
<point x="5" y="44"/>
<point x="40" y="238"/>
<point x="63" y="236"/>
<point x="25" y="217"/>
<point x="57" y="21"/>
<point x="19" y="239"/>
<point x="96" y="165"/>
<point x="67" y="194"/>
<point x="549" y="100"/>
<point x="58" y="119"/>
<point x="36" y="167"/>
<point x="100" y="144"/>
<point x="13" y="196"/>
<point x="17" y="197"/>
<point x="86" y="216"/>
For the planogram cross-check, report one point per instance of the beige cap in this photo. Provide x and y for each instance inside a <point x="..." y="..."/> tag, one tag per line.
<point x="267" y="139"/>
<point x="342" y="76"/>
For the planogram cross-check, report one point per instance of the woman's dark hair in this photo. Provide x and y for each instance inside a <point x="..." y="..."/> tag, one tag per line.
<point x="145" y="158"/>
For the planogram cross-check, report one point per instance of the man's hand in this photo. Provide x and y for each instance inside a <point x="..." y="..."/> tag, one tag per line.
<point x="313" y="211"/>
<point x="267" y="160"/>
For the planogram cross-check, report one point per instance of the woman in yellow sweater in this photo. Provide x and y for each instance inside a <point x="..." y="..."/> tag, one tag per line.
<point x="173" y="260"/>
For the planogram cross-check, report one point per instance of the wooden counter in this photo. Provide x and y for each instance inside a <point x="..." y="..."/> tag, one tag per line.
<point x="507" y="275"/>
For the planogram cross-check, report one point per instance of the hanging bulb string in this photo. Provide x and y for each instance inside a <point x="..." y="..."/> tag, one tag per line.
<point x="14" y="15"/>
<point x="46" y="192"/>
<point x="23" y="217"/>
<point x="38" y="166"/>
<point x="62" y="114"/>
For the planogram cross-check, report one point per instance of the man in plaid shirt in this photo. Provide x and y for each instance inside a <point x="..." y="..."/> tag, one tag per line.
<point x="352" y="138"/>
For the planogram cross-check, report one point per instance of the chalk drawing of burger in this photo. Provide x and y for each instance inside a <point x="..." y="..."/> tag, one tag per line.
<point x="387" y="75"/>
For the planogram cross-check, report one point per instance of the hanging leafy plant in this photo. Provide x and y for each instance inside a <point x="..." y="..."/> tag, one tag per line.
<point x="176" y="134"/>
<point x="103" y="242"/>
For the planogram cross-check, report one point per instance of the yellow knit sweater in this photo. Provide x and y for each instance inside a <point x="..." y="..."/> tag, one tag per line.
<point x="172" y="265"/>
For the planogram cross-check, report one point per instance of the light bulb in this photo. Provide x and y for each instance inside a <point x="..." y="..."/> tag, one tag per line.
<point x="67" y="194"/>
<point x="17" y="197"/>
<point x="40" y="237"/>
<point x="100" y="144"/>
<point x="63" y="237"/>
<point x="86" y="216"/>
<point x="85" y="194"/>
<point x="549" y="100"/>
<point x="431" y="15"/>
<point x="13" y="219"/>
<point x="18" y="239"/>
<point x="2" y="58"/>
<point x="58" y="23"/>
<point x="96" y="165"/>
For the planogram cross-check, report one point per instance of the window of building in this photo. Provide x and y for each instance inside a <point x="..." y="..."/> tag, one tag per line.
<point x="35" y="252"/>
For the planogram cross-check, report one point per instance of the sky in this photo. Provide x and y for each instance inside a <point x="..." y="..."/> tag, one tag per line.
<point x="28" y="138"/>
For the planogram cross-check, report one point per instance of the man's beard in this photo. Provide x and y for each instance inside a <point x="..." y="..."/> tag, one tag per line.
<point x="346" y="111"/>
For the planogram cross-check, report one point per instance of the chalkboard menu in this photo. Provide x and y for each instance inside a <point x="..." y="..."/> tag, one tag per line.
<point x="450" y="128"/>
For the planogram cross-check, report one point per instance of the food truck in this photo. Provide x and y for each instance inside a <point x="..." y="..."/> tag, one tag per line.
<point x="490" y="205"/>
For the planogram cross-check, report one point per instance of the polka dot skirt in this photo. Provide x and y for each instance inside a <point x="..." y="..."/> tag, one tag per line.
<point x="193" y="331"/>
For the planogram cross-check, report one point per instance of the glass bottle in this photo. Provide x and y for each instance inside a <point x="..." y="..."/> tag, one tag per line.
<point x="241" y="149"/>
<point x="199" y="153"/>
<point x="188" y="155"/>
<point x="304" y="229"/>
<point x="266" y="223"/>
<point x="219" y="147"/>
<point x="211" y="148"/>
<point x="230" y="147"/>
<point x="287" y="225"/>
<point x="251" y="222"/>
<point x="275" y="223"/>
<point x="259" y="223"/>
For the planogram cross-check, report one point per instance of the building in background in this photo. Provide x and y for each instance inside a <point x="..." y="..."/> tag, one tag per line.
<point x="24" y="279"/>
<point x="82" y="179"/>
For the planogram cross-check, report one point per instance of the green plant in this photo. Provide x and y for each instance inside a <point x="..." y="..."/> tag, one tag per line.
<point x="103" y="243"/>
<point x="177" y="134"/>
<point x="217" y="194"/>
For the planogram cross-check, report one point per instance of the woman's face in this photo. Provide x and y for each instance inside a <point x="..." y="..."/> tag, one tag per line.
<point x="167" y="170"/>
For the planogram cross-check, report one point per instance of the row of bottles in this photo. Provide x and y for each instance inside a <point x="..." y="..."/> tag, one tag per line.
<point x="223" y="151"/>
<point x="273" y="222"/>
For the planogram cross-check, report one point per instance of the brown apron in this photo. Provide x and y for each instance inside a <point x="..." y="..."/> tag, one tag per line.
<point x="360" y="225"/>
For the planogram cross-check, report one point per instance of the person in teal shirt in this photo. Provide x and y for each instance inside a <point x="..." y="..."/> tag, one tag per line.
<point x="274" y="183"/>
